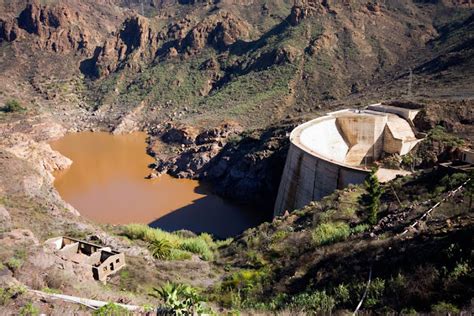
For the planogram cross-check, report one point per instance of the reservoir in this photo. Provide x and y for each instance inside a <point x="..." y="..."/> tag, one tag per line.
<point x="106" y="184"/>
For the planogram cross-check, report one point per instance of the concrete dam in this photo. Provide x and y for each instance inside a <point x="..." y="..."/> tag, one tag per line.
<point x="339" y="149"/>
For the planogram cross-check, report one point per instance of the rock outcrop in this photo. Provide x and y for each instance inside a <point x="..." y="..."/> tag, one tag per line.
<point x="54" y="28"/>
<point x="194" y="150"/>
<point x="136" y="42"/>
<point x="219" y="31"/>
<point x="305" y="9"/>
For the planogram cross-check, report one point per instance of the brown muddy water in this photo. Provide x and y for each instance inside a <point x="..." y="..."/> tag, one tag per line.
<point x="106" y="184"/>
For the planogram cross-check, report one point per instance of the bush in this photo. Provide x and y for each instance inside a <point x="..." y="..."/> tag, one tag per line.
<point x="178" y="254"/>
<point x="317" y="302"/>
<point x="160" y="249"/>
<point x="12" y="106"/>
<point x="359" y="228"/>
<point x="172" y="246"/>
<point x="439" y="134"/>
<point x="461" y="269"/>
<point x="28" y="310"/>
<point x="111" y="309"/>
<point x="328" y="233"/>
<point x="444" y="308"/>
<point x="14" y="263"/>
<point x="374" y="294"/>
<point x="6" y="294"/>
<point x="408" y="311"/>
<point x="197" y="246"/>
<point x="149" y="234"/>
<point x="180" y="299"/>
<point x="244" y="280"/>
<point x="342" y="294"/>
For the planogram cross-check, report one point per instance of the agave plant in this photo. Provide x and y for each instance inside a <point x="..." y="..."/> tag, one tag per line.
<point x="160" y="249"/>
<point x="180" y="299"/>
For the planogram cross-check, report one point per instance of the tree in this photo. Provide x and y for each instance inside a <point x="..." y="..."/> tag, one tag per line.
<point x="374" y="192"/>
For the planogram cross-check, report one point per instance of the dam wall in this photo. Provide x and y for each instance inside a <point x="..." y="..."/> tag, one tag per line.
<point x="309" y="178"/>
<point x="339" y="149"/>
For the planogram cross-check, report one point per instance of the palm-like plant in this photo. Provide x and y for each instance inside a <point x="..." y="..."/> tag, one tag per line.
<point x="160" y="249"/>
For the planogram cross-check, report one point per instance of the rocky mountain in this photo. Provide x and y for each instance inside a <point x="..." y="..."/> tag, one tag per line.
<point x="232" y="59"/>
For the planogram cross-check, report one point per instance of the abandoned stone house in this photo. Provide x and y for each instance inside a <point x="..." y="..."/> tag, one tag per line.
<point x="102" y="260"/>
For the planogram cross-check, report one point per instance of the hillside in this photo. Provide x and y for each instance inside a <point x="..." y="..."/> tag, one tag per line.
<point x="218" y="86"/>
<point x="231" y="59"/>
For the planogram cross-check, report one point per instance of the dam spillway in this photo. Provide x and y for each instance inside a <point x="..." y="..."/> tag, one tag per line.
<point x="336" y="150"/>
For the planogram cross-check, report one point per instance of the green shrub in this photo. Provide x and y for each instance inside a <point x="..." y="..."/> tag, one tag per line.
<point x="149" y="234"/>
<point x="207" y="238"/>
<point x="244" y="280"/>
<point x="359" y="228"/>
<point x="111" y="309"/>
<point x="408" y="311"/>
<point x="223" y="243"/>
<point x="12" y="106"/>
<point x="317" y="302"/>
<point x="28" y="310"/>
<point x="453" y="181"/>
<point x="461" y="269"/>
<point x="14" y="263"/>
<point x="439" y="134"/>
<point x="279" y="235"/>
<point x="180" y="299"/>
<point x="172" y="246"/>
<point x="342" y="294"/>
<point x="328" y="233"/>
<point x="374" y="294"/>
<point x="160" y="249"/>
<point x="7" y="293"/>
<point x="197" y="246"/>
<point x="178" y="254"/>
<point x="256" y="259"/>
<point x="444" y="308"/>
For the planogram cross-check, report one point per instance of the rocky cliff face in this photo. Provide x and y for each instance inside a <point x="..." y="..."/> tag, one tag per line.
<point x="218" y="31"/>
<point x="135" y="43"/>
<point x="52" y="27"/>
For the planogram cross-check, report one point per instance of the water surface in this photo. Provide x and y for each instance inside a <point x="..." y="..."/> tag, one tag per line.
<point x="106" y="183"/>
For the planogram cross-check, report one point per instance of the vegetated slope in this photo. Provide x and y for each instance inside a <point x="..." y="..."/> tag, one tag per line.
<point x="224" y="66"/>
<point x="255" y="62"/>
<point x="319" y="258"/>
